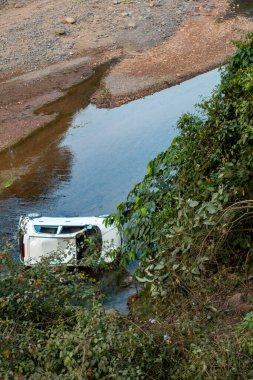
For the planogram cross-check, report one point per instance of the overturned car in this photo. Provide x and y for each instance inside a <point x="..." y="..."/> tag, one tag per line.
<point x="67" y="240"/>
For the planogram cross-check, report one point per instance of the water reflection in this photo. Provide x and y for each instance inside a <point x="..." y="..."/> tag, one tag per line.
<point x="242" y="8"/>
<point x="40" y="163"/>
<point x="36" y="174"/>
<point x="89" y="159"/>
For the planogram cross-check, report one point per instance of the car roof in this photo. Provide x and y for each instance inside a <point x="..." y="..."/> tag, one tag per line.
<point x="65" y="221"/>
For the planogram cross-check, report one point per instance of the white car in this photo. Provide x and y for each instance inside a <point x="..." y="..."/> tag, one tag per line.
<point x="67" y="239"/>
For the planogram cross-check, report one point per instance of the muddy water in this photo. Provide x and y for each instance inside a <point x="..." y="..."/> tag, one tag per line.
<point x="88" y="159"/>
<point x="242" y="8"/>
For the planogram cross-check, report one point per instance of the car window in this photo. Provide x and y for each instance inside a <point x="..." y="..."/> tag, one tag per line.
<point x="71" y="229"/>
<point x="46" y="229"/>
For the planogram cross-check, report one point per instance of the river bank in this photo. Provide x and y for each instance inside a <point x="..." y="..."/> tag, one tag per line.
<point x="191" y="219"/>
<point x="158" y="43"/>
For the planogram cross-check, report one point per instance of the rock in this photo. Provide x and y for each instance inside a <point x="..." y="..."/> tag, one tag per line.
<point x="60" y="32"/>
<point x="132" y="25"/>
<point x="240" y="303"/>
<point x="69" y="20"/>
<point x="212" y="308"/>
<point x="129" y="14"/>
<point x="235" y="300"/>
<point x="115" y="2"/>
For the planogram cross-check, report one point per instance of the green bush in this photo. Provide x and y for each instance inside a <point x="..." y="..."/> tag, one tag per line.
<point x="246" y="329"/>
<point x="53" y="325"/>
<point x="191" y="211"/>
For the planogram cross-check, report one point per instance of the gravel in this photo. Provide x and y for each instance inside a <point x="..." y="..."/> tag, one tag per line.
<point x="34" y="33"/>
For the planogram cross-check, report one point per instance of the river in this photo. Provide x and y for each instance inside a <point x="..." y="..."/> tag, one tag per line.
<point x="88" y="159"/>
<point x="241" y="8"/>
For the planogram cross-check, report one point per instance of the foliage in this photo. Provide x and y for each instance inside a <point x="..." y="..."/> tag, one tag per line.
<point x="179" y="220"/>
<point x="246" y="328"/>
<point x="53" y="325"/>
<point x="89" y="248"/>
<point x="203" y="332"/>
<point x="66" y="333"/>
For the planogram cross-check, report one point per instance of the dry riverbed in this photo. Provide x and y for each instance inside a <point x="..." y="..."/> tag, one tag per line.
<point x="47" y="46"/>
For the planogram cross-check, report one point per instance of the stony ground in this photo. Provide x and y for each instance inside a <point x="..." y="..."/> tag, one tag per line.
<point x="48" y="45"/>
<point x="202" y="42"/>
<point x="38" y="33"/>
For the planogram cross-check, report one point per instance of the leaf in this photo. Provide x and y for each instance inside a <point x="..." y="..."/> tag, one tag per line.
<point x="211" y="208"/>
<point x="7" y="183"/>
<point x="67" y="361"/>
<point x="164" y="276"/>
<point x="159" y="266"/>
<point x="209" y="223"/>
<point x="149" y="169"/>
<point x="195" y="271"/>
<point x="192" y="203"/>
<point x="143" y="279"/>
<point x="203" y="259"/>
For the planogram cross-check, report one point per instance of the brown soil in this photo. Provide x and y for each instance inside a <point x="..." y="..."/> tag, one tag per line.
<point x="22" y="95"/>
<point x="160" y="43"/>
<point x="202" y="43"/>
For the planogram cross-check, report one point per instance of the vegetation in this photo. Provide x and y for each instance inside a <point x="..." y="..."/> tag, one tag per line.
<point x="53" y="325"/>
<point x="189" y="222"/>
<point x="192" y="211"/>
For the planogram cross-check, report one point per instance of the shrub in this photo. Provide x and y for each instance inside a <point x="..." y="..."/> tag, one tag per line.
<point x="53" y="325"/>
<point x="178" y="214"/>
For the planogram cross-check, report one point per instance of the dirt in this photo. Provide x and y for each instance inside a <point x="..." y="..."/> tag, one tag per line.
<point x="36" y="33"/>
<point x="159" y="43"/>
<point x="201" y="43"/>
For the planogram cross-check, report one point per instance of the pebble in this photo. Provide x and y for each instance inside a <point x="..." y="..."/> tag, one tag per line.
<point x="129" y="14"/>
<point x="60" y="32"/>
<point x="56" y="28"/>
<point x="132" y="25"/>
<point x="69" y="20"/>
